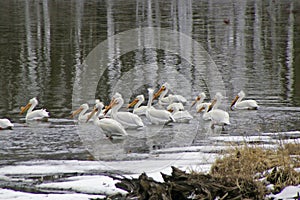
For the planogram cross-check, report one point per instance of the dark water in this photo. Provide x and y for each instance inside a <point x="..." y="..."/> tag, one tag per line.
<point x="253" y="45"/>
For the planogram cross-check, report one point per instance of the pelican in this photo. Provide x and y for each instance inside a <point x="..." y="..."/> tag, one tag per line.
<point x="127" y="119"/>
<point x="217" y="116"/>
<point x="137" y="109"/>
<point x="102" y="114"/>
<point x="243" y="105"/>
<point x="82" y="112"/>
<point x="108" y="126"/>
<point x="161" y="93"/>
<point x="40" y="114"/>
<point x="5" y="124"/>
<point x="199" y="100"/>
<point x="180" y="115"/>
<point x="156" y="116"/>
<point x="175" y="106"/>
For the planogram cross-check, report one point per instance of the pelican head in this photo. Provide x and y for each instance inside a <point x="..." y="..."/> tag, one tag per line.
<point x="218" y="97"/>
<point x="164" y="87"/>
<point x="82" y="107"/>
<point x="200" y="98"/>
<point x="139" y="98"/>
<point x="113" y="102"/>
<point x="99" y="105"/>
<point x="240" y="95"/>
<point x="31" y="102"/>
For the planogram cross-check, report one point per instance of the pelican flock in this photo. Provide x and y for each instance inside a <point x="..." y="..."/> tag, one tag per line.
<point x="113" y="122"/>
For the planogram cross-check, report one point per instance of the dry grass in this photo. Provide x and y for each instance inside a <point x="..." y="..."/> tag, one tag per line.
<point x="247" y="162"/>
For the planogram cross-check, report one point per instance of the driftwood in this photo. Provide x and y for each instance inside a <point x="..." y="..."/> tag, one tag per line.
<point x="181" y="185"/>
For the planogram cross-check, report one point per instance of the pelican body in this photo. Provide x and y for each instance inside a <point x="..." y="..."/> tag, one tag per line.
<point x="108" y="126"/>
<point x="127" y="119"/>
<point x="180" y="115"/>
<point x="237" y="103"/>
<point x="5" y="124"/>
<point x="217" y="116"/>
<point x="156" y="116"/>
<point x="40" y="114"/>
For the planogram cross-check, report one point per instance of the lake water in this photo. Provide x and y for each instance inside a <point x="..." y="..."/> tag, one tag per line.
<point x="71" y="52"/>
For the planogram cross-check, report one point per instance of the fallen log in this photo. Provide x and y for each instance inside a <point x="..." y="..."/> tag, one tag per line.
<point x="182" y="185"/>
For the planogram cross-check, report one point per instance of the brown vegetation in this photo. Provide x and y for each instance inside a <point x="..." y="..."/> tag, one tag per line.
<point x="242" y="173"/>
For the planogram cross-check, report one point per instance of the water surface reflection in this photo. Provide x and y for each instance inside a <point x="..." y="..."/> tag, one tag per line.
<point x="44" y="44"/>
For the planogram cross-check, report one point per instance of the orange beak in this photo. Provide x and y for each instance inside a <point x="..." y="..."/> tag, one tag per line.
<point x="200" y="109"/>
<point x="234" y="101"/>
<point x="107" y="108"/>
<point x="157" y="94"/>
<point x="76" y="112"/>
<point x="212" y="105"/>
<point x="23" y="109"/>
<point x="194" y="102"/>
<point x="92" y="114"/>
<point x="133" y="103"/>
<point x="170" y="110"/>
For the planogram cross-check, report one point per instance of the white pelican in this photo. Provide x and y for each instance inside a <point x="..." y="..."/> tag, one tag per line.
<point x="40" y="114"/>
<point x="161" y="93"/>
<point x="199" y="101"/>
<point x="102" y="114"/>
<point x="82" y="113"/>
<point x="156" y="116"/>
<point x="5" y="124"/>
<point x="179" y="115"/>
<point x="109" y="127"/>
<point x="217" y="116"/>
<point x="175" y="106"/>
<point x="237" y="103"/>
<point x="137" y="109"/>
<point x="127" y="119"/>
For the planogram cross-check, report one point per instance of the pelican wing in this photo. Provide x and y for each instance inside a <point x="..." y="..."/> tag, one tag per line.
<point x="129" y="119"/>
<point x="178" y="98"/>
<point x="182" y="116"/>
<point x="37" y="114"/>
<point x="111" y="126"/>
<point x="140" y="110"/>
<point x="247" y="104"/>
<point x="219" y="116"/>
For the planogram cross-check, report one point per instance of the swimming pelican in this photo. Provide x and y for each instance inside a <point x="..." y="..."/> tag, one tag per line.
<point x="199" y="101"/>
<point x="180" y="115"/>
<point x="175" y="106"/>
<point x="161" y="93"/>
<point x="156" y="116"/>
<point x="5" y="124"/>
<point x="82" y="113"/>
<point x="108" y="126"/>
<point x="243" y="105"/>
<point x="137" y="109"/>
<point x="40" y="114"/>
<point x="127" y="119"/>
<point x="217" y="116"/>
